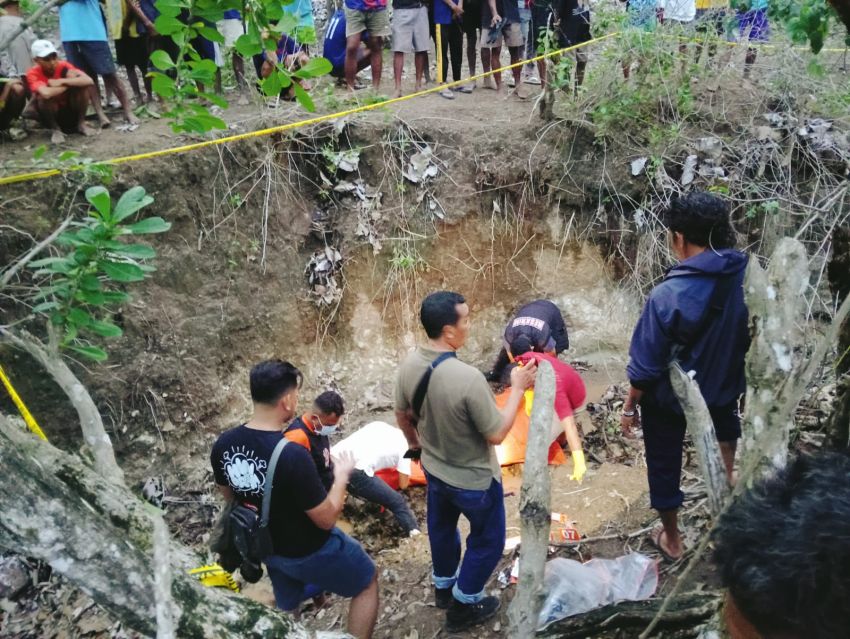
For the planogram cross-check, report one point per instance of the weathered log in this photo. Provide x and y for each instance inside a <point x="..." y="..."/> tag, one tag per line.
<point x="701" y="429"/>
<point x="685" y="612"/>
<point x="101" y="538"/>
<point x="535" y="514"/>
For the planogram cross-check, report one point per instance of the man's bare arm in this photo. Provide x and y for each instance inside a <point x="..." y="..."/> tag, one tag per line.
<point x="407" y="426"/>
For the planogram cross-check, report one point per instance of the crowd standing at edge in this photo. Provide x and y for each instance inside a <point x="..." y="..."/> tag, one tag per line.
<point x="353" y="41"/>
<point x="449" y="420"/>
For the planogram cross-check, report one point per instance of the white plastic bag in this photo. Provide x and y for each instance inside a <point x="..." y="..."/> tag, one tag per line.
<point x="573" y="587"/>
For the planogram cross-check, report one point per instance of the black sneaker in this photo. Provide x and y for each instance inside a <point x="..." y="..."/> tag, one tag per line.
<point x="443" y="597"/>
<point x="462" y="616"/>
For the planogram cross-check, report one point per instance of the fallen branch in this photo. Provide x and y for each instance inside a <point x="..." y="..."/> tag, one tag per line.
<point x="590" y="540"/>
<point x="35" y="250"/>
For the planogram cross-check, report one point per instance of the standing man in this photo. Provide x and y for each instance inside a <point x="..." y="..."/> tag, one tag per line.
<point x="312" y="430"/>
<point x="500" y="21"/>
<point x="83" y="32"/>
<point x="455" y="429"/>
<point x="695" y="316"/>
<point x="333" y="48"/>
<point x="573" y="19"/>
<point x="360" y="16"/>
<point x="753" y="27"/>
<point x="379" y="446"/>
<point x="308" y="547"/>
<point x="410" y="35"/>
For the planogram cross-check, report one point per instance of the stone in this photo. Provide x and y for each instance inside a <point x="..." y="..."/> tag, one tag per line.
<point x="14" y="577"/>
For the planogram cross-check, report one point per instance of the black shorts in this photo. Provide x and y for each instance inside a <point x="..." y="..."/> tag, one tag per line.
<point x="132" y="52"/>
<point x="471" y="18"/>
<point x="574" y="29"/>
<point x="664" y="436"/>
<point x="542" y="19"/>
<point x="91" y="57"/>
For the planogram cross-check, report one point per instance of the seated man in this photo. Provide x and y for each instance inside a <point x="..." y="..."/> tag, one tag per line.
<point x="334" y="48"/>
<point x="544" y="325"/>
<point x="570" y="394"/>
<point x="782" y="552"/>
<point x="377" y="446"/>
<point x="14" y="62"/>
<point x="291" y="55"/>
<point x="60" y="93"/>
<point x="12" y="100"/>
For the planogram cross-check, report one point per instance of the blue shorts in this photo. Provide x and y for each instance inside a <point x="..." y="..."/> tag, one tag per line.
<point x="341" y="566"/>
<point x="91" y="57"/>
<point x="664" y="436"/>
<point x="753" y="25"/>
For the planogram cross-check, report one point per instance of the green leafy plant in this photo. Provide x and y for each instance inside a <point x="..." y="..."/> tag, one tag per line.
<point x="82" y="288"/>
<point x="179" y="80"/>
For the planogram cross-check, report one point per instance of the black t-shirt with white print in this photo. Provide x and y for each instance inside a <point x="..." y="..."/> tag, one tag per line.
<point x="239" y="460"/>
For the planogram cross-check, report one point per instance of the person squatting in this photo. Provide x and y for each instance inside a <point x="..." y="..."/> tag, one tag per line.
<point x="450" y="421"/>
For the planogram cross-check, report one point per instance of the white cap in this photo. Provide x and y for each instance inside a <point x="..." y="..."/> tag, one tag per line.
<point x="43" y="48"/>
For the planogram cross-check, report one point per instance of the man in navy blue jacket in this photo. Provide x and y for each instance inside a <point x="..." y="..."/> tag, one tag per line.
<point x="697" y="317"/>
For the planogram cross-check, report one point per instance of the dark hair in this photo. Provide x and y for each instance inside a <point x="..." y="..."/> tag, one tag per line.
<point x="438" y="310"/>
<point x="272" y="379"/>
<point x="703" y="218"/>
<point x="330" y="403"/>
<point x="783" y="549"/>
<point x="521" y="344"/>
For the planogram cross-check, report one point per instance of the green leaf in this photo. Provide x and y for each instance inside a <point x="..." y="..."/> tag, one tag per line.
<point x="163" y="85"/>
<point x="271" y="85"/>
<point x="115" y="297"/>
<point x="47" y="261"/>
<point x="149" y="225"/>
<point x="39" y="152"/>
<point x="91" y="352"/>
<point x="121" y="271"/>
<point x="105" y="329"/>
<point x="168" y="25"/>
<point x="99" y="198"/>
<point x="95" y="298"/>
<point x="136" y="251"/>
<point x="215" y="99"/>
<point x="303" y="97"/>
<point x="248" y="46"/>
<point x="314" y="68"/>
<point x="65" y="156"/>
<point x="132" y="200"/>
<point x="90" y="283"/>
<point x="211" y="34"/>
<point x="161" y="60"/>
<point x="79" y="317"/>
<point x="45" y="306"/>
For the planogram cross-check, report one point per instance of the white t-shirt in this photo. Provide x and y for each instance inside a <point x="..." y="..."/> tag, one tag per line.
<point x="679" y="10"/>
<point x="376" y="446"/>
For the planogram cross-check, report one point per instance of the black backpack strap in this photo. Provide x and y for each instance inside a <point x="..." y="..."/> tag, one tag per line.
<point x="269" y="483"/>
<point x="422" y="387"/>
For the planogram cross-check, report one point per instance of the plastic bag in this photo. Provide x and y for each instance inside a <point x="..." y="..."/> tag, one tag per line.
<point x="573" y="587"/>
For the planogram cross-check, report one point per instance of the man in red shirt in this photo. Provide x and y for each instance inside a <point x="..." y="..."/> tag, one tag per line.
<point x="570" y="394"/>
<point x="60" y="92"/>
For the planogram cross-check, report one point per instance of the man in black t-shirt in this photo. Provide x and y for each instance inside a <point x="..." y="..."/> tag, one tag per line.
<point x="308" y="548"/>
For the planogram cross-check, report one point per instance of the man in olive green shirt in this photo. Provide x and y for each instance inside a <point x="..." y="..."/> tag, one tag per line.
<point x="457" y="428"/>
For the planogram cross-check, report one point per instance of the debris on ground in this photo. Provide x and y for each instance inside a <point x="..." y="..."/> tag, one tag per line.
<point x="322" y="270"/>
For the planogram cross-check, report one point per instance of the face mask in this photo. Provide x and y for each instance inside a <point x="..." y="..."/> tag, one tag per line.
<point x="323" y="429"/>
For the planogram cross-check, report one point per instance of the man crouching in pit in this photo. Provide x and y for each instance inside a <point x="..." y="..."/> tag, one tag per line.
<point x="60" y="93"/>
<point x="310" y="552"/>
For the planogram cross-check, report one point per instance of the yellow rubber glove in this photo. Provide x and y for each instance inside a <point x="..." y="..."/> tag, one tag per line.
<point x="529" y="400"/>
<point x="579" y="467"/>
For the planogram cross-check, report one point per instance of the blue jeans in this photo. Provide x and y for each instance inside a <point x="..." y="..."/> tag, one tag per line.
<point x="485" y="510"/>
<point x="377" y="491"/>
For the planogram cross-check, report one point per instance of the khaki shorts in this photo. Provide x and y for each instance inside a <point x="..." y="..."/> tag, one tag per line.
<point x="410" y="30"/>
<point x="377" y="23"/>
<point x="511" y="34"/>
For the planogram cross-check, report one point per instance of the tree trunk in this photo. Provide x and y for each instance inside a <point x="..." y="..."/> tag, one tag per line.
<point x="777" y="310"/>
<point x="101" y="538"/>
<point x="535" y="514"/>
<point x="91" y="423"/>
<point x="838" y="427"/>
<point x="701" y="428"/>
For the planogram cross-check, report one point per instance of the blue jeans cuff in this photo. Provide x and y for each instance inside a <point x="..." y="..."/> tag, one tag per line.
<point x="467" y="599"/>
<point x="444" y="582"/>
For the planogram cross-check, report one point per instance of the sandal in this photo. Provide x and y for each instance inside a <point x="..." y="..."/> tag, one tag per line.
<point x="655" y="542"/>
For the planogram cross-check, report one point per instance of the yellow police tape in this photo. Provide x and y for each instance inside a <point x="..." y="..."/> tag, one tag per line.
<point x="214" y="576"/>
<point x="28" y="418"/>
<point x="38" y="175"/>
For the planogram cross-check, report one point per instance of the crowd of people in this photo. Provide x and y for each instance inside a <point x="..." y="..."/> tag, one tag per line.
<point x="36" y="83"/>
<point x="450" y="421"/>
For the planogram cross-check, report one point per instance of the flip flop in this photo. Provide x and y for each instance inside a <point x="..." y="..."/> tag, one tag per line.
<point x="655" y="542"/>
